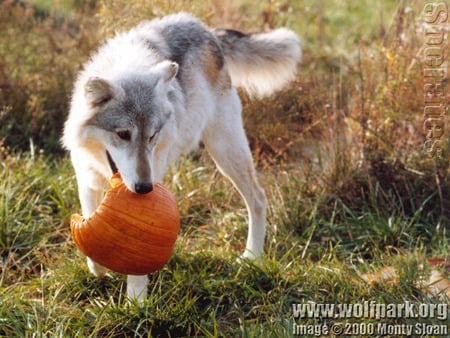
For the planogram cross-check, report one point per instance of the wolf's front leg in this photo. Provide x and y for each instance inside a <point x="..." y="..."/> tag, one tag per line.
<point x="137" y="287"/>
<point x="97" y="269"/>
<point x="90" y="199"/>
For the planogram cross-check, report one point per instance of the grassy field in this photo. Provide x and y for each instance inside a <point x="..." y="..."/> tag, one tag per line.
<point x="47" y="290"/>
<point x="339" y="153"/>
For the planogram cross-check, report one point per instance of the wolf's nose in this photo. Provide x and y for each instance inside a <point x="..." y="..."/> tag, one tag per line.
<point x="143" y="188"/>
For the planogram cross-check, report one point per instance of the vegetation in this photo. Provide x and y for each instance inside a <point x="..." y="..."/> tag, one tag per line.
<point x="340" y="153"/>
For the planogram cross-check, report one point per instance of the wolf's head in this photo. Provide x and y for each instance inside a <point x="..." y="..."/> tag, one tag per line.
<point x="130" y="113"/>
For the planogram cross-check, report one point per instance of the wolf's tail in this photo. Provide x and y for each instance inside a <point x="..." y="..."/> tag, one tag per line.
<point x="261" y="62"/>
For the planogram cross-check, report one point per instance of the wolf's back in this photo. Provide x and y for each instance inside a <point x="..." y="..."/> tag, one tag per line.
<point x="260" y="62"/>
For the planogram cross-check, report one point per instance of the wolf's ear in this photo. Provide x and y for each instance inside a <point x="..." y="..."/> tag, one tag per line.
<point x="167" y="70"/>
<point x="98" y="91"/>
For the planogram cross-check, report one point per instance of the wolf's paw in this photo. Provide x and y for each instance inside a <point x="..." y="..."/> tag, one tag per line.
<point x="250" y="255"/>
<point x="96" y="269"/>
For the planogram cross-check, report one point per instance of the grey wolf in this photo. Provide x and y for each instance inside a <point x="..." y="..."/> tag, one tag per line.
<point x="152" y="94"/>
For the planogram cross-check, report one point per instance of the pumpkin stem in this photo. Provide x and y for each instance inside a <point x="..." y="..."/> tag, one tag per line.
<point x="115" y="180"/>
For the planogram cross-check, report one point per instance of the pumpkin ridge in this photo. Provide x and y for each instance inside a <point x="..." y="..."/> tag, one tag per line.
<point x="90" y="241"/>
<point x="145" y="236"/>
<point x="139" y="222"/>
<point x="142" y="203"/>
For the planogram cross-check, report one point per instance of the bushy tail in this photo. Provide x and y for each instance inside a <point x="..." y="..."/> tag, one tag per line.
<point x="261" y="62"/>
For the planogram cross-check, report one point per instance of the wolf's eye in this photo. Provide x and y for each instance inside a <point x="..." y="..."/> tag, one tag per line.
<point x="151" y="138"/>
<point x="124" y="135"/>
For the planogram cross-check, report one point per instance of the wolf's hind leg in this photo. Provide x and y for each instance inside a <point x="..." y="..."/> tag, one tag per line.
<point x="227" y="144"/>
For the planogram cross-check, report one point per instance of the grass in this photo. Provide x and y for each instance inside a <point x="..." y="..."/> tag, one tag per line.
<point x="338" y="152"/>
<point x="47" y="291"/>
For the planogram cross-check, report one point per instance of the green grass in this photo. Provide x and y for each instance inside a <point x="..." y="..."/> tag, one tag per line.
<point x="47" y="291"/>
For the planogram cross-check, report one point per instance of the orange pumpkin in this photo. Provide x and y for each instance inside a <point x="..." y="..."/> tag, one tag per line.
<point x="129" y="233"/>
